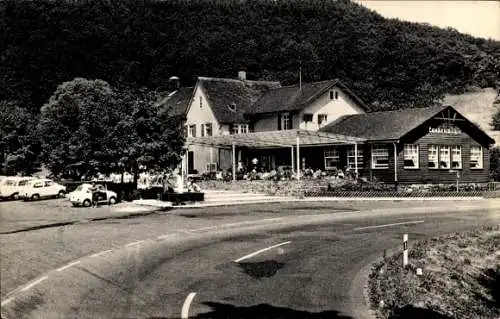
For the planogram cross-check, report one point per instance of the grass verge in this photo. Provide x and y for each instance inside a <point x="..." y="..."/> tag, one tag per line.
<point x="460" y="278"/>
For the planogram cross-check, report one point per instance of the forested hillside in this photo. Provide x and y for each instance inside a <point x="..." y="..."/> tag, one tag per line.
<point x="389" y="63"/>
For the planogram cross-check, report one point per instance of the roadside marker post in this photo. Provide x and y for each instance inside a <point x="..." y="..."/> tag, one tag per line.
<point x="405" y="250"/>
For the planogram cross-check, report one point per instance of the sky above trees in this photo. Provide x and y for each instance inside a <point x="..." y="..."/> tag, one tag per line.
<point x="477" y="18"/>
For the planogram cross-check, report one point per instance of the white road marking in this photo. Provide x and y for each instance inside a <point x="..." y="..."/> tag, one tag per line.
<point x="261" y="251"/>
<point x="186" y="305"/>
<point x="250" y="222"/>
<point x="7" y="301"/>
<point x="101" y="253"/>
<point x="134" y="243"/>
<point x="164" y="236"/>
<point x="389" y="225"/>
<point x="34" y="283"/>
<point x="68" y="265"/>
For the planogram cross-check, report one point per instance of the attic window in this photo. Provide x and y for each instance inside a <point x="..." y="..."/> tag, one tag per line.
<point x="334" y="95"/>
<point x="201" y="102"/>
<point x="232" y="107"/>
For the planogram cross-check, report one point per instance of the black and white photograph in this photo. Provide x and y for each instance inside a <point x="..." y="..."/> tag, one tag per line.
<point x="250" y="159"/>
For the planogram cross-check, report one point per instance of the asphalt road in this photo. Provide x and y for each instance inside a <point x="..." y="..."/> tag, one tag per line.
<point x="311" y="262"/>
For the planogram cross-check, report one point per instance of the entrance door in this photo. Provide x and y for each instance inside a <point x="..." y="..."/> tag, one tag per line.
<point x="190" y="162"/>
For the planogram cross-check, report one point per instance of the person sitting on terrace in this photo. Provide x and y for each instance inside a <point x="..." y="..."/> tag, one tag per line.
<point x="219" y="175"/>
<point x="193" y="187"/>
<point x="340" y="174"/>
<point x="317" y="174"/>
<point x="308" y="172"/>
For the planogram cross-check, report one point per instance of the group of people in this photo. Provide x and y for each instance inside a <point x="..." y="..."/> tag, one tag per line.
<point x="283" y="173"/>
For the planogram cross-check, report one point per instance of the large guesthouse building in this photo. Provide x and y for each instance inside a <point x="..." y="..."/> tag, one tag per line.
<point x="324" y="125"/>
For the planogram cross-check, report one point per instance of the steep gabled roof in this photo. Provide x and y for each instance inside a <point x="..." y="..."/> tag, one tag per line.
<point x="389" y="125"/>
<point x="178" y="101"/>
<point x="230" y="99"/>
<point x="291" y="98"/>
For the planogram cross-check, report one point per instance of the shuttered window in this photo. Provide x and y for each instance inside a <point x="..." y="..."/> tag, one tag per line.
<point x="456" y="157"/>
<point x="380" y="157"/>
<point x="351" y="163"/>
<point x="411" y="156"/>
<point x="332" y="158"/>
<point x="444" y="157"/>
<point x="432" y="157"/>
<point x="476" y="157"/>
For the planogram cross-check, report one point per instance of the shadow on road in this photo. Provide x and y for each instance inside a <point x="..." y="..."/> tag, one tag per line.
<point x="262" y="311"/>
<point x="262" y="269"/>
<point x="411" y="312"/>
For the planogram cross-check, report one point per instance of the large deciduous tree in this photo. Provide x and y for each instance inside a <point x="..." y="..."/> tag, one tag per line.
<point x="74" y="125"/>
<point x="89" y="126"/>
<point x="147" y="134"/>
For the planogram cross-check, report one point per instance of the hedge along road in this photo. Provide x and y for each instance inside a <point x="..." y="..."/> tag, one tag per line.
<point x="293" y="266"/>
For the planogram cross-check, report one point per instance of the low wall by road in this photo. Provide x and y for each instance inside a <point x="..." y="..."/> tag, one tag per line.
<point x="341" y="188"/>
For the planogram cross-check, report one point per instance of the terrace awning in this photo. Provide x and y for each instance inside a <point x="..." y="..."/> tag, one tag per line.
<point x="275" y="139"/>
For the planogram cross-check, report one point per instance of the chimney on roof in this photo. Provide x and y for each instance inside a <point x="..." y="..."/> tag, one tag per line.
<point x="242" y="74"/>
<point x="174" y="83"/>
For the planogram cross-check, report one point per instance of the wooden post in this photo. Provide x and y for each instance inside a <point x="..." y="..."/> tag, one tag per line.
<point x="356" y="160"/>
<point x="234" y="161"/>
<point x="298" y="158"/>
<point x="183" y="173"/>
<point x="395" y="163"/>
<point x="293" y="164"/>
<point x="187" y="161"/>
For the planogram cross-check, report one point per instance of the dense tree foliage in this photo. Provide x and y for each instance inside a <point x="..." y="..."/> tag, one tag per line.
<point x="88" y="127"/>
<point x="496" y="120"/>
<point x="495" y="163"/>
<point x="389" y="63"/>
<point x="74" y="126"/>
<point x="146" y="134"/>
<point x="18" y="141"/>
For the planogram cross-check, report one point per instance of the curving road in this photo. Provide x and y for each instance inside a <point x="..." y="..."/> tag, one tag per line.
<point x="284" y="266"/>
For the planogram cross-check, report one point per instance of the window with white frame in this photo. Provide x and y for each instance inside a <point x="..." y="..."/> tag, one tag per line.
<point x="380" y="157"/>
<point x="432" y="157"/>
<point x="456" y="157"/>
<point x="286" y="123"/>
<point x="201" y="102"/>
<point x="332" y="158"/>
<point x="322" y="119"/>
<point x="351" y="163"/>
<point x="476" y="157"/>
<point x="239" y="129"/>
<point x="410" y="156"/>
<point x="444" y="157"/>
<point x="202" y="129"/>
<point x="208" y="129"/>
<point x="192" y="130"/>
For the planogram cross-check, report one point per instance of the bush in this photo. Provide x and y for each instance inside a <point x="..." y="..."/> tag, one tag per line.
<point x="495" y="164"/>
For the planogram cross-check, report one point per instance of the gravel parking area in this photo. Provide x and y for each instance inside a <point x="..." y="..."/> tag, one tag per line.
<point x="20" y="215"/>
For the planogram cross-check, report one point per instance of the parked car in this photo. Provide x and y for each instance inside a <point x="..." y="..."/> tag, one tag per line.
<point x="43" y="188"/>
<point x="11" y="187"/>
<point x="82" y="195"/>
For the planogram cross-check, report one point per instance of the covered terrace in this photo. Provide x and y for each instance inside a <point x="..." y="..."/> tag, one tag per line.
<point x="293" y="139"/>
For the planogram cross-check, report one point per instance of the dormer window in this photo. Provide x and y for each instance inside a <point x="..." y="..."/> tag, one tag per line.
<point x="232" y="107"/>
<point x="334" y="95"/>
